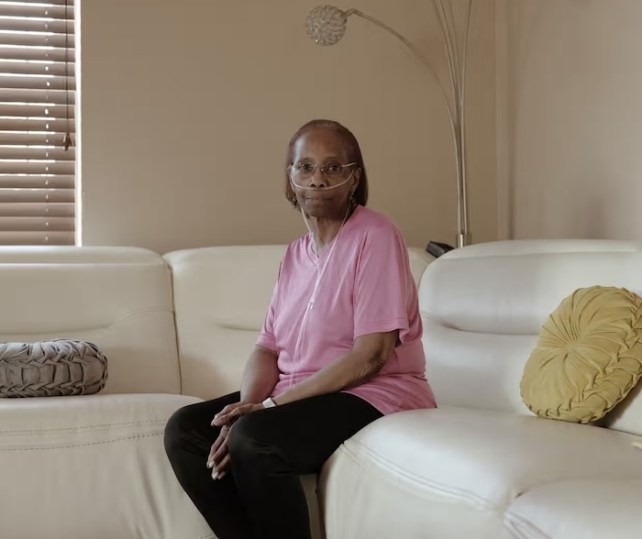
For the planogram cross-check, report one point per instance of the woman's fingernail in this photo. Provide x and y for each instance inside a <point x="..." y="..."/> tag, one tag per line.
<point x="210" y="463"/>
<point x="214" y="474"/>
<point x="222" y="475"/>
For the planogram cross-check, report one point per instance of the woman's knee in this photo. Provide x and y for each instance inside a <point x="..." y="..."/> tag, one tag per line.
<point x="177" y="427"/>
<point x="244" y="441"/>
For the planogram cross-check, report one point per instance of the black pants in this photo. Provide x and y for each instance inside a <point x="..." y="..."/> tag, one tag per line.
<point x="262" y="497"/>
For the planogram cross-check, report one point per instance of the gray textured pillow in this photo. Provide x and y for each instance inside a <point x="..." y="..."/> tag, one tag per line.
<point x="51" y="369"/>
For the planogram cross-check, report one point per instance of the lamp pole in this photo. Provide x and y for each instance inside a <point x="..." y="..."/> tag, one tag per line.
<point x="326" y="26"/>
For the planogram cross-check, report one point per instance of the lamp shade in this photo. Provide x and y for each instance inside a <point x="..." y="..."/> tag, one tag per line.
<point x="326" y="25"/>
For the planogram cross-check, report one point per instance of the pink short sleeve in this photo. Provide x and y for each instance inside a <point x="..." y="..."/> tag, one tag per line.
<point x="384" y="288"/>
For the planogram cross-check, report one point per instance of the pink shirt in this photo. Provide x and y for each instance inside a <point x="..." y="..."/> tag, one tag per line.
<point x="365" y="287"/>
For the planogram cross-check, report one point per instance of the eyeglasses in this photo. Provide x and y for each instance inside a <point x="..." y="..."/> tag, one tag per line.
<point x="304" y="170"/>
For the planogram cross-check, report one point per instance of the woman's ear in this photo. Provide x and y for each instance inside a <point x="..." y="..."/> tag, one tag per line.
<point x="357" y="178"/>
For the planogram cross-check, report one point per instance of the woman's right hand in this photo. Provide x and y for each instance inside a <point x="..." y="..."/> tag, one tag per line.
<point x="227" y="413"/>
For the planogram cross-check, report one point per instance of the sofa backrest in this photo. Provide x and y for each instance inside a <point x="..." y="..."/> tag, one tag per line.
<point x="221" y="296"/>
<point x="118" y="298"/>
<point x="483" y="307"/>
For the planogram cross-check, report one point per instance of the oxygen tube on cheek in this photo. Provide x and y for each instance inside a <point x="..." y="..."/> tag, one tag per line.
<point x="320" y="188"/>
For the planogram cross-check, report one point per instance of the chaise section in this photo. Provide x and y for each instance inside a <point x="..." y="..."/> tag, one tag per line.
<point x="92" y="466"/>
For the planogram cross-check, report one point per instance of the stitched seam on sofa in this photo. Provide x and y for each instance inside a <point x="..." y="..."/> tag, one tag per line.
<point x="86" y="427"/>
<point x="119" y="318"/>
<point x="88" y="444"/>
<point x="10" y="265"/>
<point x="510" y="519"/>
<point x="467" y="495"/>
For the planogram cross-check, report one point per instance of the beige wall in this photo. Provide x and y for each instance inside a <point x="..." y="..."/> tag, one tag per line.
<point x="187" y="108"/>
<point x="574" y="86"/>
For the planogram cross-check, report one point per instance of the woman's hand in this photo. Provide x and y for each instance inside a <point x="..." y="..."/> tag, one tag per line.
<point x="219" y="457"/>
<point x="229" y="414"/>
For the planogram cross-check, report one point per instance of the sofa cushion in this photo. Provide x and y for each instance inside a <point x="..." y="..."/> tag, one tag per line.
<point x="221" y="296"/>
<point x="579" y="509"/>
<point x="51" y="368"/>
<point x="473" y="462"/>
<point x="588" y="357"/>
<point x="92" y="466"/>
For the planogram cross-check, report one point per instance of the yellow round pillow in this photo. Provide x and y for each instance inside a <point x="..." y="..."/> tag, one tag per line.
<point x="588" y="357"/>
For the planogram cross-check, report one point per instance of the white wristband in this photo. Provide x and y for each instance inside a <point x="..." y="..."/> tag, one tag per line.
<point x="268" y="403"/>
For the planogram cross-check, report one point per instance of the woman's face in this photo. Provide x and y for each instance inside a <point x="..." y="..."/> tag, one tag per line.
<point x="324" y="147"/>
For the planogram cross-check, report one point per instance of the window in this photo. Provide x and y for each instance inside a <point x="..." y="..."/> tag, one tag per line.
<point x="37" y="126"/>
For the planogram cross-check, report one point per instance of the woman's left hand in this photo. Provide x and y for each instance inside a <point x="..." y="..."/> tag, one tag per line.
<point x="231" y="413"/>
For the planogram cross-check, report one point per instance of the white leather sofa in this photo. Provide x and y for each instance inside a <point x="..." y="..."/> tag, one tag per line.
<point x="178" y="328"/>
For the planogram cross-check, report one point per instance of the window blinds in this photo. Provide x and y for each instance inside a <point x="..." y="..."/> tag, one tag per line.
<point x="37" y="98"/>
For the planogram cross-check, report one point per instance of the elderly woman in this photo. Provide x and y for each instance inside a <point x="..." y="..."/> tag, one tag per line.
<point x="340" y="347"/>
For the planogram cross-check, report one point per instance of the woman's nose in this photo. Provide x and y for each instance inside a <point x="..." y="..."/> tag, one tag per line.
<point x="318" y="179"/>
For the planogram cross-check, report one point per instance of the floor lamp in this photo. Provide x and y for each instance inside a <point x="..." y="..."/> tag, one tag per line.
<point x="326" y="25"/>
